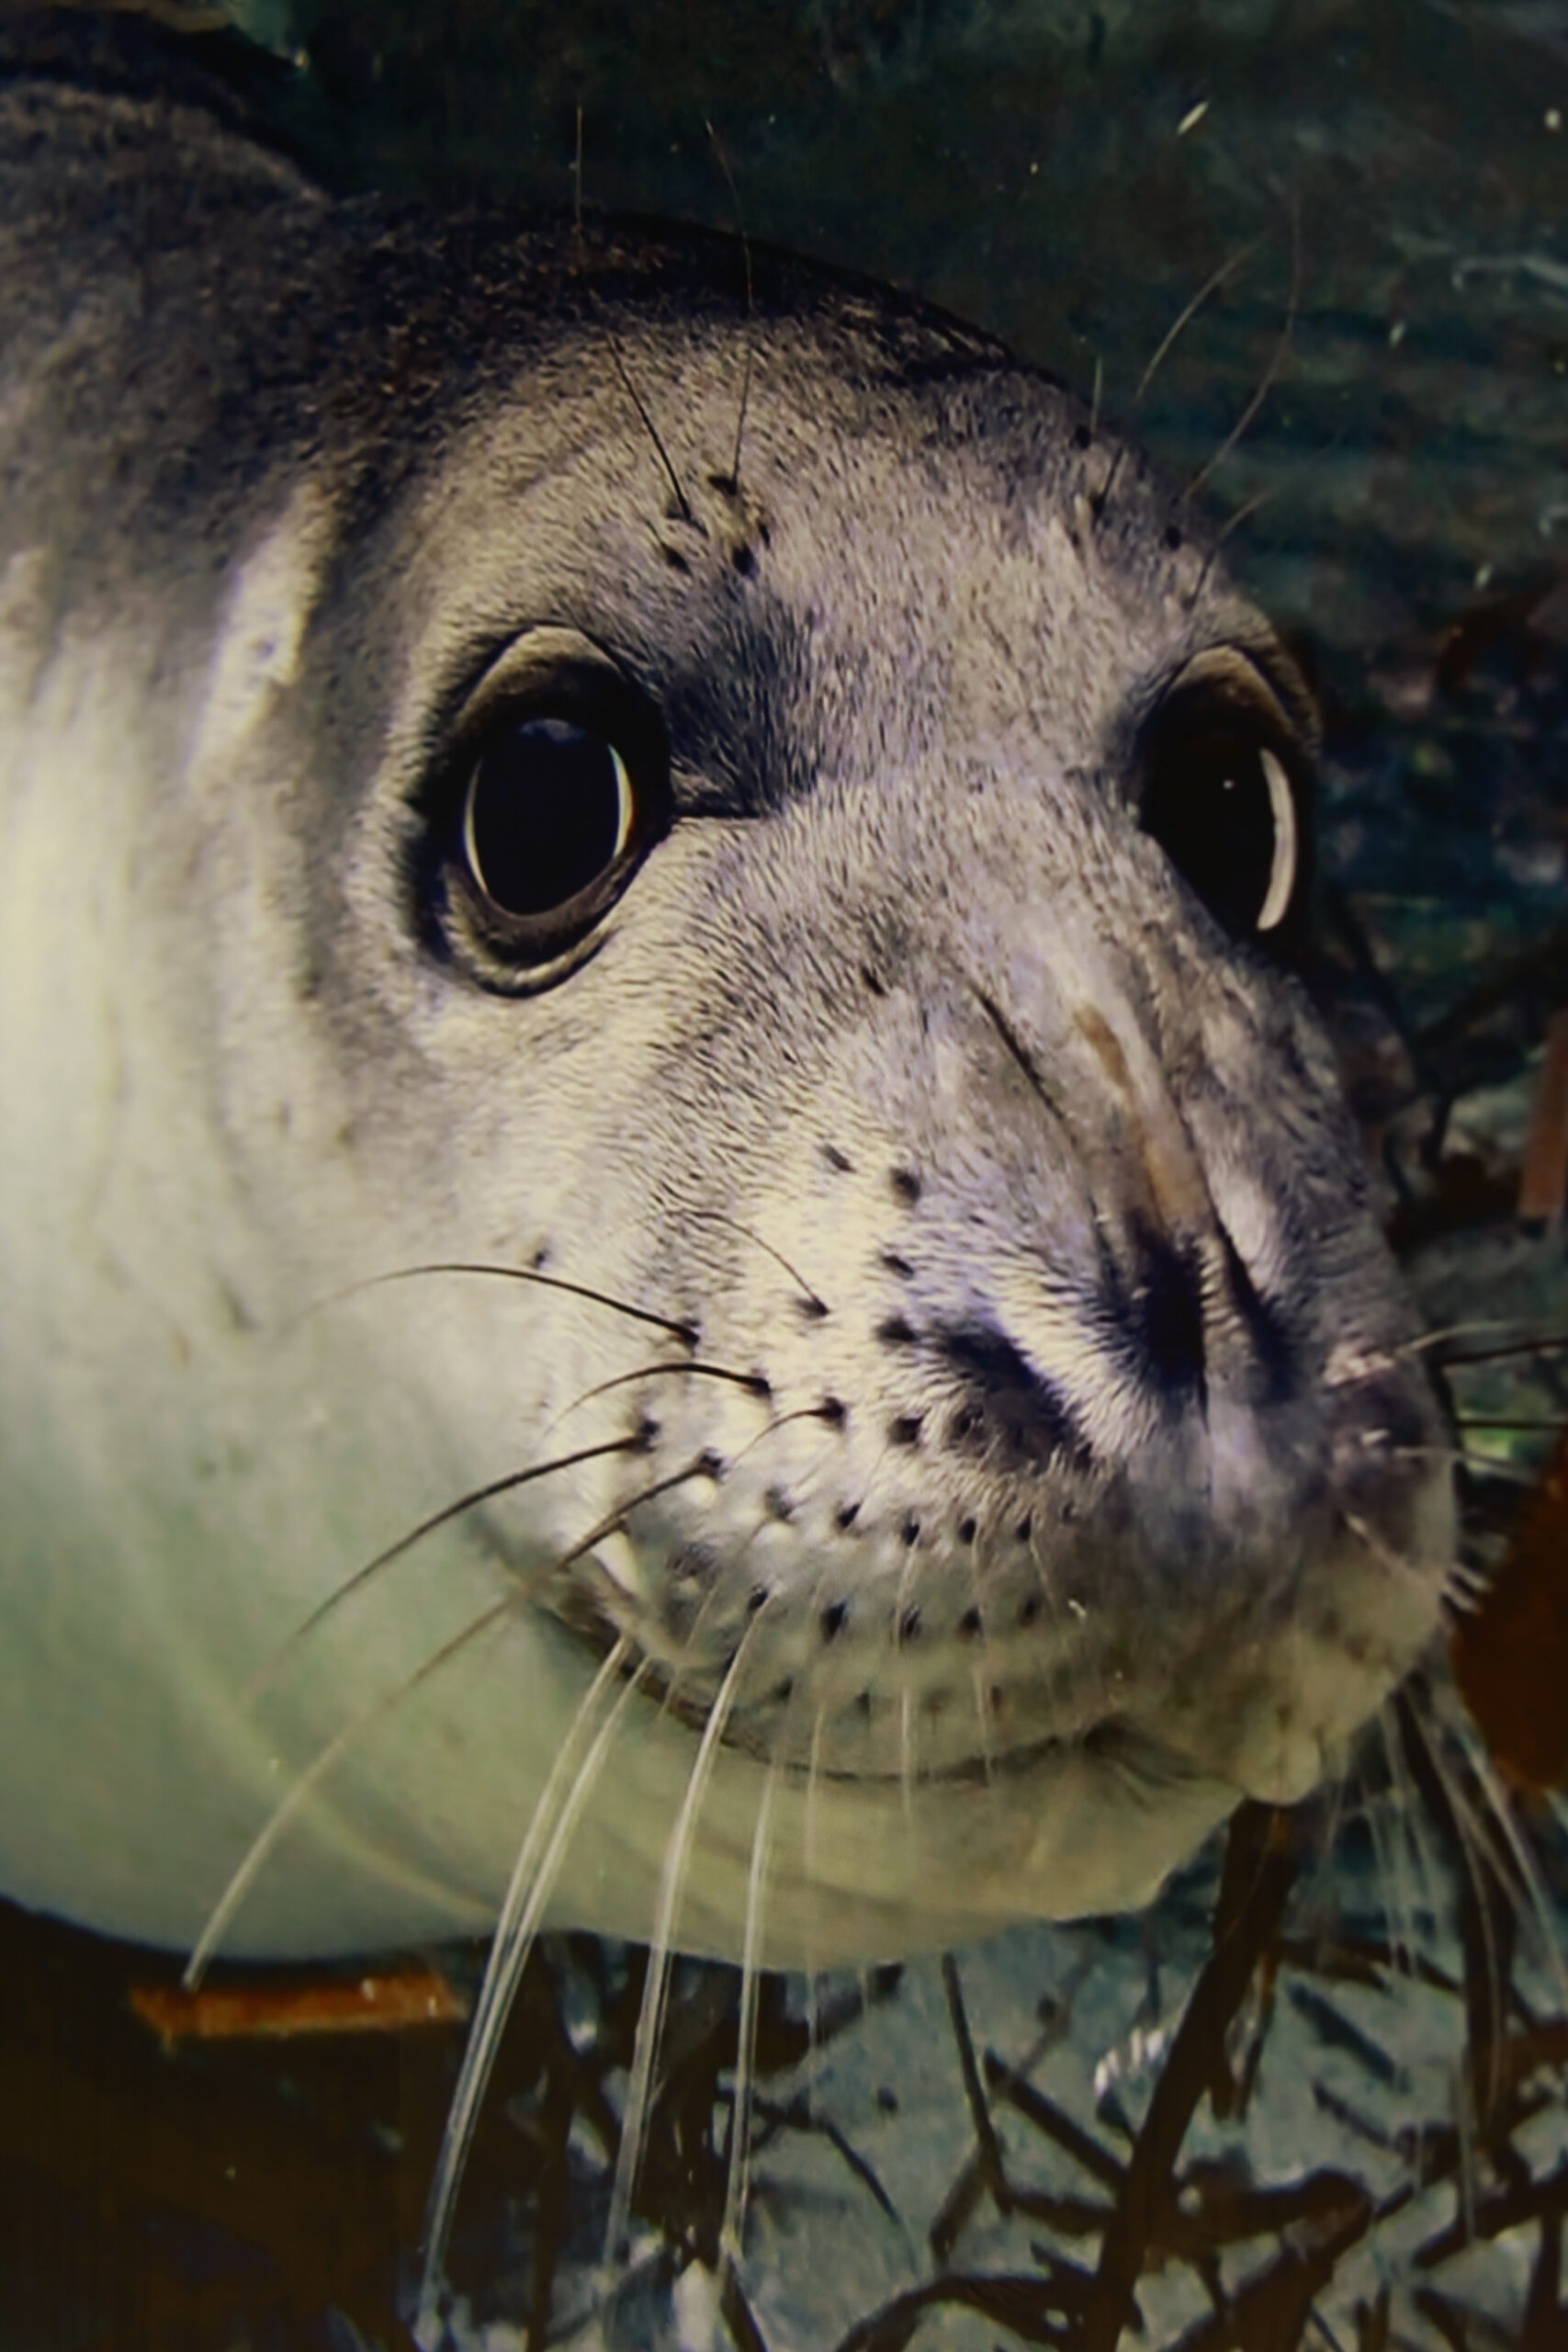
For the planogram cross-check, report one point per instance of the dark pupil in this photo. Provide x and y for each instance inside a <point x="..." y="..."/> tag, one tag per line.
<point x="545" y="814"/>
<point x="1209" y="809"/>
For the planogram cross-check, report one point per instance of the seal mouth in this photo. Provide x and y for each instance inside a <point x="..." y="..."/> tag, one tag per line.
<point x="1260" y="1699"/>
<point x="1114" y="1740"/>
<point x="1230" y="1602"/>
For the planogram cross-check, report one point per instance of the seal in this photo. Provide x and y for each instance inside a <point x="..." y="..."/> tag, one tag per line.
<point x="662" y="1137"/>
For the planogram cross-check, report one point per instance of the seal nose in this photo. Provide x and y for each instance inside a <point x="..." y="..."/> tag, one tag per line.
<point x="1193" y="1317"/>
<point x="1140" y="1341"/>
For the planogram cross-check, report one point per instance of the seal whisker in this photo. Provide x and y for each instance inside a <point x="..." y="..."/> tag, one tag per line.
<point x="723" y="160"/>
<point x="733" y="2225"/>
<point x="1211" y="285"/>
<point x="1536" y="1343"/>
<point x="1426" y="1343"/>
<point x="1449" y="1721"/>
<point x="1239" y="516"/>
<point x="906" y="1763"/>
<point x="525" y="1590"/>
<point x="720" y="1216"/>
<point x="1266" y="381"/>
<point x="980" y="1674"/>
<point x="752" y="1382"/>
<point x="980" y="1683"/>
<point x="1400" y="1830"/>
<point x="814" y="1972"/>
<point x="1475" y="1849"/>
<point x="1459" y="1457"/>
<point x="573" y="1778"/>
<point x="671" y="1885"/>
<point x="1100" y="499"/>
<point x="684" y="1332"/>
<point x="1349" y="1788"/>
<point x="268" y="1671"/>
<point x="310" y="1777"/>
<point x="1494" y="1790"/>
<point x="1042" y="1573"/>
<point x="624" y="372"/>
<point x="905" y="1626"/>
<point x="1234" y="521"/>
<point x="608" y="332"/>
<point x="1397" y="1564"/>
<point x="813" y="1784"/>
<point x="677" y="1668"/>
<point x="779" y="1422"/>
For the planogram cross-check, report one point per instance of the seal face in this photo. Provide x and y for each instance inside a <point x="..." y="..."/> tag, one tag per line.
<point x="695" y="1056"/>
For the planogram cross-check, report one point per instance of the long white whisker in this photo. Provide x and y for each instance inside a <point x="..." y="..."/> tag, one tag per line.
<point x="1529" y="1343"/>
<point x="1042" y="1571"/>
<point x="671" y="1884"/>
<point x="1394" y="1563"/>
<point x="290" y="1804"/>
<point x="732" y="2228"/>
<point x="1334" y="1816"/>
<point x="808" y="1860"/>
<point x="523" y="1592"/>
<point x="1477" y="1851"/>
<point x="1497" y="1795"/>
<point x="813" y="1782"/>
<point x="1423" y="1342"/>
<point x="1404" y="1812"/>
<point x="1459" y="1457"/>
<point x="1395" y="1907"/>
<point x="571" y="1783"/>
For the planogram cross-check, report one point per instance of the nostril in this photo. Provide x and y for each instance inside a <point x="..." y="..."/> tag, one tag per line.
<point x="1004" y="1392"/>
<point x="1164" y="1316"/>
<point x="1275" y="1376"/>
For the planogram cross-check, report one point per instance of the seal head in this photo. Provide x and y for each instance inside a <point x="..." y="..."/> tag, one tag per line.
<point x="786" y="960"/>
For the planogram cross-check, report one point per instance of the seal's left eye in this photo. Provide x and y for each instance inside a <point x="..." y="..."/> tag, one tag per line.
<point x="549" y="809"/>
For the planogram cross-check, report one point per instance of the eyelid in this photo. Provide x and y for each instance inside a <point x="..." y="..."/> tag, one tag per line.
<point x="1264" y="681"/>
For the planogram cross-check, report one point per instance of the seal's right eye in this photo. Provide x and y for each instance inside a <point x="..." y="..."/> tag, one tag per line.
<point x="1224" y="792"/>
<point x="557" y="785"/>
<point x="549" y="808"/>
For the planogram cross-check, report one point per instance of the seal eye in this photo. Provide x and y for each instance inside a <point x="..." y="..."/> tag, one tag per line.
<point x="1225" y="804"/>
<point x="549" y="809"/>
<point x="554" y="789"/>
